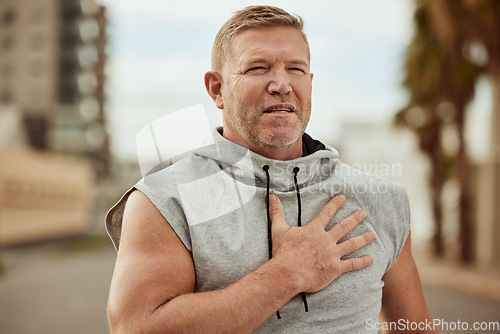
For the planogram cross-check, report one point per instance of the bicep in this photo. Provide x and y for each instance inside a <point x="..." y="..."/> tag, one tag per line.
<point x="403" y="297"/>
<point x="153" y="266"/>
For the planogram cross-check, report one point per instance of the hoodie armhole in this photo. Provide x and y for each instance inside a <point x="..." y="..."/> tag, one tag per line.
<point x="114" y="218"/>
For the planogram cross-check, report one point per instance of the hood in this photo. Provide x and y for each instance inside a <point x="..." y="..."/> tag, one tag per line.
<point x="248" y="167"/>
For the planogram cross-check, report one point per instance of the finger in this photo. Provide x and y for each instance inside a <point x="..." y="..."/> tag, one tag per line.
<point x="277" y="215"/>
<point x="347" y="224"/>
<point x="353" y="244"/>
<point x="356" y="263"/>
<point x="328" y="211"/>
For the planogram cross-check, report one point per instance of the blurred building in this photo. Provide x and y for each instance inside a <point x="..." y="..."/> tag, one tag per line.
<point x="53" y="143"/>
<point x="52" y="57"/>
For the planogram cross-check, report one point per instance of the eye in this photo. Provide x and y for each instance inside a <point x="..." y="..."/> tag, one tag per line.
<point x="297" y="70"/>
<point x="256" y="70"/>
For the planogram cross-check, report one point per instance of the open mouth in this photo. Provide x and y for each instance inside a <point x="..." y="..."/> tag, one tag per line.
<point x="281" y="109"/>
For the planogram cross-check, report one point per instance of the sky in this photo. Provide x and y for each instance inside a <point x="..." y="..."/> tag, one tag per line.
<point x="160" y="50"/>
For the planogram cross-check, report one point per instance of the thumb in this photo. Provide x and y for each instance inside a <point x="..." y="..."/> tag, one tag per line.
<point x="277" y="216"/>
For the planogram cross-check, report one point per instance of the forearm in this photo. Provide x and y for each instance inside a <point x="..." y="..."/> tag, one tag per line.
<point x="239" y="308"/>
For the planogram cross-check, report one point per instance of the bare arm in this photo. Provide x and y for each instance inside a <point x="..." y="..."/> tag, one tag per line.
<point x="153" y="283"/>
<point x="403" y="297"/>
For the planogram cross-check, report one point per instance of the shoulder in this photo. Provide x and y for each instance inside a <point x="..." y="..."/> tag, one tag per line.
<point x="183" y="171"/>
<point x="158" y="194"/>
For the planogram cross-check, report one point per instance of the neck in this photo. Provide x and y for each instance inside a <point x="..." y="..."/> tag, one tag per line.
<point x="283" y="153"/>
<point x="291" y="152"/>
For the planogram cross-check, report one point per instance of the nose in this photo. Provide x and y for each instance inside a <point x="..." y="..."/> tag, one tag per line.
<point x="279" y="83"/>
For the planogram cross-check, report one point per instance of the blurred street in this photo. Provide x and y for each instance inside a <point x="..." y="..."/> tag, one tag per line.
<point x="49" y="289"/>
<point x="451" y="307"/>
<point x="61" y="287"/>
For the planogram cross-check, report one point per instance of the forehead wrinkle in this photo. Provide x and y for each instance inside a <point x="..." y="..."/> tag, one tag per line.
<point x="265" y="51"/>
<point x="270" y="58"/>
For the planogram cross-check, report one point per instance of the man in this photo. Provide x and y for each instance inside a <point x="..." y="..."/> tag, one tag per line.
<point x="277" y="238"/>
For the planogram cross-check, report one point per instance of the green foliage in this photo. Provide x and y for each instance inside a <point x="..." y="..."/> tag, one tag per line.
<point x="86" y="243"/>
<point x="2" y="266"/>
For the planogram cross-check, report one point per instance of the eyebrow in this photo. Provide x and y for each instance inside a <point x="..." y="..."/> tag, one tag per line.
<point x="298" y="62"/>
<point x="254" y="61"/>
<point x="263" y="60"/>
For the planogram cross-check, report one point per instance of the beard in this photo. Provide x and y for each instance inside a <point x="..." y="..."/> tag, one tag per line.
<point x="265" y="131"/>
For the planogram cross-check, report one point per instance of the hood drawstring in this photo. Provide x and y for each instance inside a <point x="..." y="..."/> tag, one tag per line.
<point x="299" y="222"/>
<point x="269" y="229"/>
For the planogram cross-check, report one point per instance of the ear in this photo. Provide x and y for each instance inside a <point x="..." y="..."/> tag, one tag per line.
<point x="213" y="84"/>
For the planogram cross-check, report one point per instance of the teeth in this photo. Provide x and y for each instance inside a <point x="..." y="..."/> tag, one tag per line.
<point x="279" y="110"/>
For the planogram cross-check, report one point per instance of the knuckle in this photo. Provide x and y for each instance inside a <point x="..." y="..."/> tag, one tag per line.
<point x="356" y="217"/>
<point x="355" y="264"/>
<point x="344" y="227"/>
<point x="351" y="265"/>
<point x="367" y="237"/>
<point x="327" y="212"/>
<point x="352" y="245"/>
<point x="273" y="210"/>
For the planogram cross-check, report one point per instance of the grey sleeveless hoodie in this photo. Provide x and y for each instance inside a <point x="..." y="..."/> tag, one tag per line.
<point x="215" y="200"/>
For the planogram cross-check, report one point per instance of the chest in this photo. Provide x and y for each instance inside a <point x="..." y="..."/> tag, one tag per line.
<point x="230" y="246"/>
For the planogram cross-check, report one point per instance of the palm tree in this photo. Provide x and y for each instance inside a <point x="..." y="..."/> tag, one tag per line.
<point x="473" y="26"/>
<point x="441" y="83"/>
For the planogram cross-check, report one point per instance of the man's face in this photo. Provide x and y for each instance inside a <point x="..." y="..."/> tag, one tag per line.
<point x="266" y="89"/>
